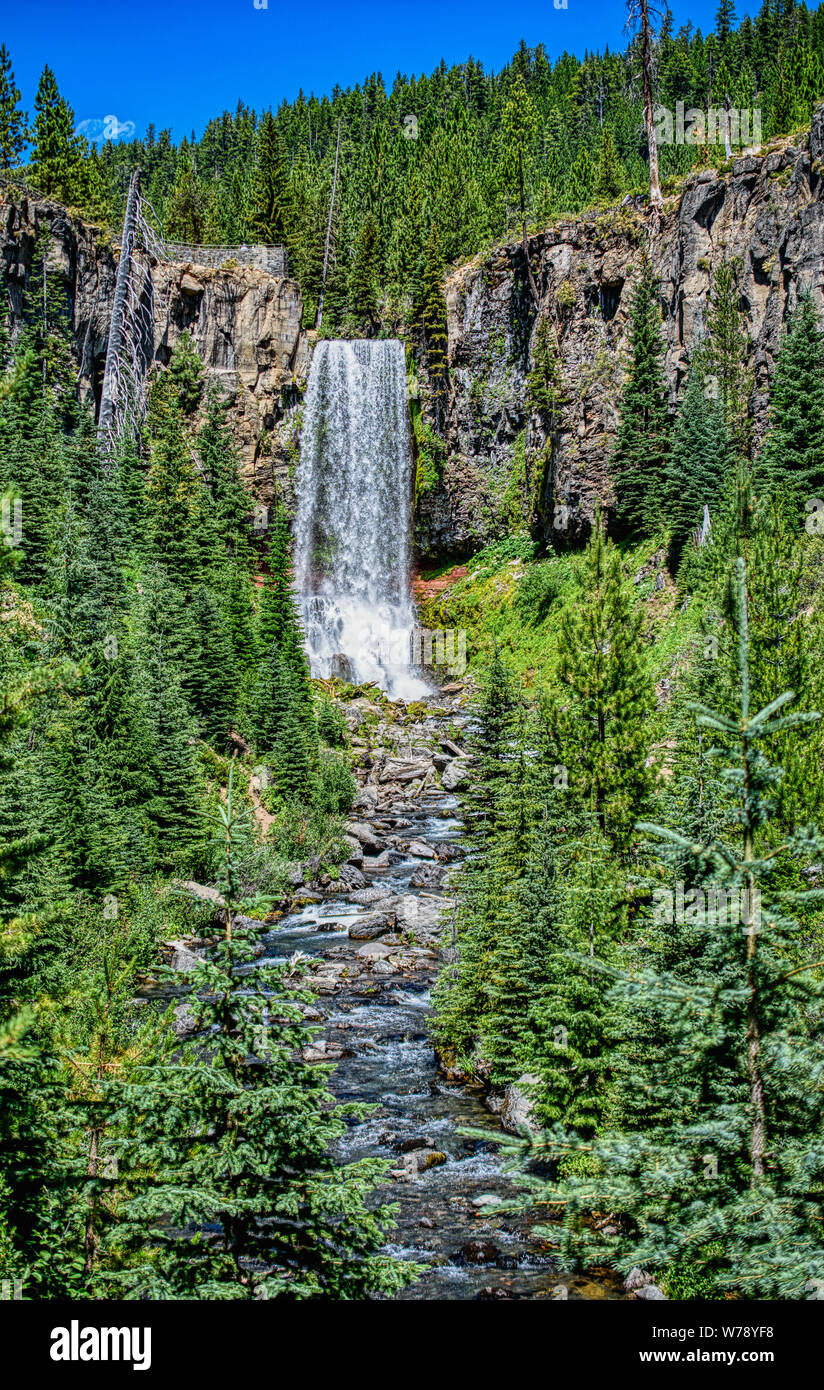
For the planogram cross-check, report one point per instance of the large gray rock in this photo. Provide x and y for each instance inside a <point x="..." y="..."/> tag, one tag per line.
<point x="419" y="849"/>
<point x="455" y="775"/>
<point x="404" y="769"/>
<point x="365" y="835"/>
<point x="373" y="924"/>
<point x="245" y="320"/>
<point x="341" y="667"/>
<point x="517" y="1111"/>
<point x="183" y="958"/>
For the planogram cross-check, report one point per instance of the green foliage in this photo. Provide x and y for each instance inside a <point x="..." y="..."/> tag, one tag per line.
<point x="601" y="723"/>
<point x="132" y="655"/>
<point x="792" y="455"/>
<point x="56" y="153"/>
<point x="491" y="151"/>
<point x="639" y="460"/>
<point x="725" y="1166"/>
<point x="430" y="453"/>
<point x="695" y="472"/>
<point x="12" y="119"/>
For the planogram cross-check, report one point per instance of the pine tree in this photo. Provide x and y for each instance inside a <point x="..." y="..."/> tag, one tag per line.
<point x="601" y="720"/>
<point x="461" y="997"/>
<point x="231" y="503"/>
<point x="13" y="122"/>
<point x="186" y="371"/>
<point x="695" y="472"/>
<point x="364" y="278"/>
<point x="792" y="455"/>
<point x="727" y="357"/>
<point x="639" y="459"/>
<point x="211" y="681"/>
<point x="279" y="630"/>
<point x="610" y="178"/>
<point x="517" y="129"/>
<point x="261" y="1210"/>
<point x="269" y="206"/>
<point x="189" y="212"/>
<point x="55" y="158"/>
<point x="728" y="1178"/>
<point x="433" y="319"/>
<point x="175" y="496"/>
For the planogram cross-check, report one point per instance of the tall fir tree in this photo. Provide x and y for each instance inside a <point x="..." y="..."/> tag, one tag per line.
<point x="13" y="121"/>
<point x="639" y="460"/>
<point x="792" y="455"/>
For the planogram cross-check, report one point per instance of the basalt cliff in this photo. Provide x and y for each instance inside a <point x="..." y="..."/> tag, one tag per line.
<point x="765" y="211"/>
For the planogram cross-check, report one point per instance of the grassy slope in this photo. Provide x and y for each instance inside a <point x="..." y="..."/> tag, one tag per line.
<point x="516" y="604"/>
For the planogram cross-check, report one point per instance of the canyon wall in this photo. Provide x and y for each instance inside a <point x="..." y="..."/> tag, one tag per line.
<point x="766" y="211"/>
<point x="245" y="321"/>
<point x="500" y="472"/>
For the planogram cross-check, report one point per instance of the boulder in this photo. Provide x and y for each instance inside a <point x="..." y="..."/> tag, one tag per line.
<point x="372" y="925"/>
<point x="356" y="850"/>
<point x="341" y="668"/>
<point x="183" y="959"/>
<point x="455" y="776"/>
<point x="367" y="897"/>
<point x="200" y="890"/>
<point x="189" y="285"/>
<point x="651" y="1293"/>
<point x="183" y="1021"/>
<point x="365" y="835"/>
<point x="421" y="1159"/>
<point x="403" y="769"/>
<point x="517" y="1111"/>
<point x="427" y="876"/>
<point x="421" y="850"/>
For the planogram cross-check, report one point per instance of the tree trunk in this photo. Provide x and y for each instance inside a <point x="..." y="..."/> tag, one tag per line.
<point x="646" y="58"/>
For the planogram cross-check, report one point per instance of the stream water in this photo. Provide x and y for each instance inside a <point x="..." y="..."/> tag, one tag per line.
<point x="389" y="1062"/>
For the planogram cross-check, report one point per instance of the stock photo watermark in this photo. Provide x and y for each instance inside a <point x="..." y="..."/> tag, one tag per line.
<point x="731" y="126"/>
<point x="104" y="128"/>
<point x="11" y="521"/>
<point x="440" y="647"/>
<point x="708" y="907"/>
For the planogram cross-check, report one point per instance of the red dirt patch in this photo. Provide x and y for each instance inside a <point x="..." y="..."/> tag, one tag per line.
<point x="432" y="588"/>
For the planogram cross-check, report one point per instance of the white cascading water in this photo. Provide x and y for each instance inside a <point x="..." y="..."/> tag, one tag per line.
<point x="353" y="518"/>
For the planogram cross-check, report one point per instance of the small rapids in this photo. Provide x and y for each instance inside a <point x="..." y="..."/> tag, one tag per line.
<point x="389" y="1063"/>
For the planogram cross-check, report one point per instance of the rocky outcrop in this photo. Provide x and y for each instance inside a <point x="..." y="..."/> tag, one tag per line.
<point x="245" y="321"/>
<point x="765" y="211"/>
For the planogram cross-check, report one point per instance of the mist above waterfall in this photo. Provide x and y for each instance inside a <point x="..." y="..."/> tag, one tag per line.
<point x="354" y="516"/>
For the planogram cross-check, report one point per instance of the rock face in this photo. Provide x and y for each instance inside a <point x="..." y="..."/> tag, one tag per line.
<point x="517" y="1112"/>
<point x="245" y="321"/>
<point x="766" y="212"/>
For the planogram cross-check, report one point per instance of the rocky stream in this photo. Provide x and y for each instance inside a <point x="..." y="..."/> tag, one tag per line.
<point x="377" y="937"/>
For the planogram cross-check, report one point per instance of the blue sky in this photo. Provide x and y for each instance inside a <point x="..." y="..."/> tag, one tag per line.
<point x="178" y="63"/>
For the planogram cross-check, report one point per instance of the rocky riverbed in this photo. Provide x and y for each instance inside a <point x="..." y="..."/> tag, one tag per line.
<point x="377" y="937"/>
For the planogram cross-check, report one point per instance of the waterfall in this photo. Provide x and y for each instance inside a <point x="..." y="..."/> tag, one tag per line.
<point x="354" y="516"/>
